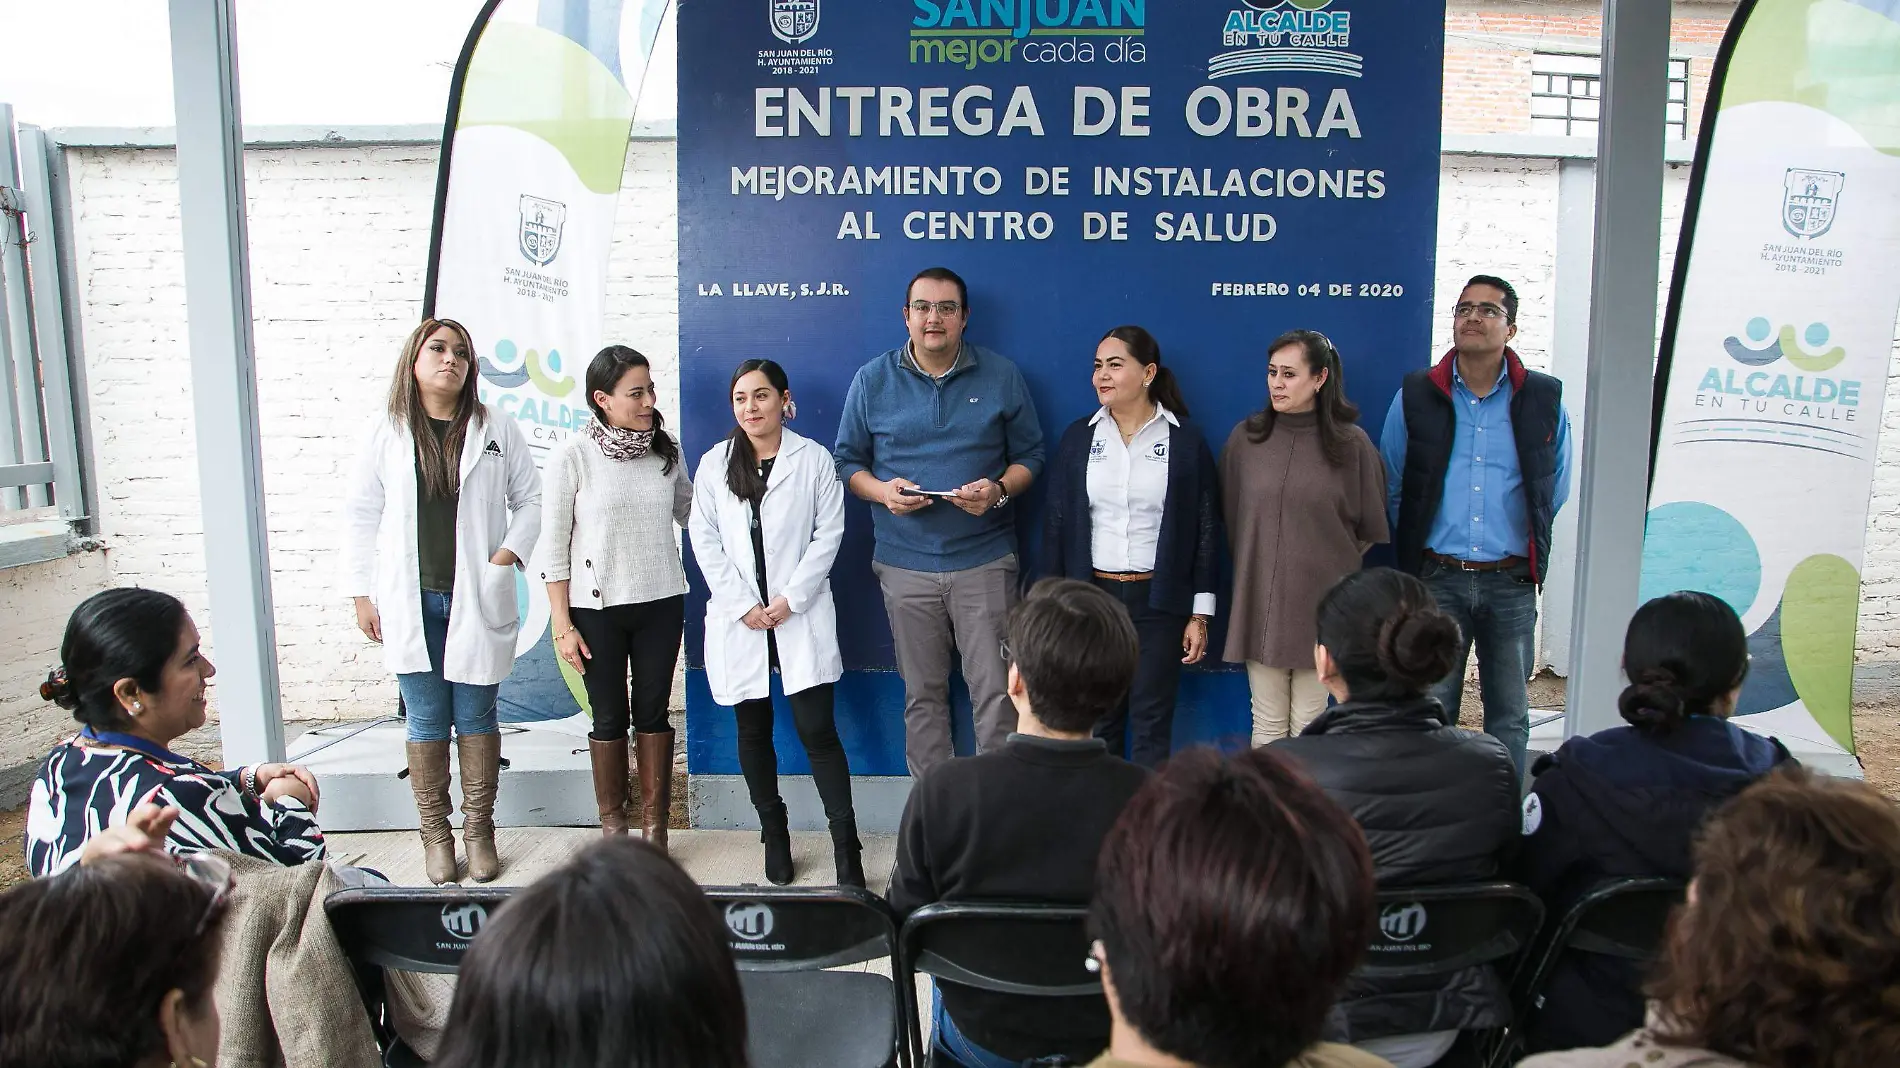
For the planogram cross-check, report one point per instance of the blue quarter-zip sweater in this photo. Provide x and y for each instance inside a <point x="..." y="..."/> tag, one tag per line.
<point x="941" y="433"/>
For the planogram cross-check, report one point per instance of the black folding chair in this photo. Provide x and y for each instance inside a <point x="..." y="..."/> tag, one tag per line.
<point x="799" y="1012"/>
<point x="1441" y="930"/>
<point x="1025" y="949"/>
<point x="1622" y="918"/>
<point x="409" y="929"/>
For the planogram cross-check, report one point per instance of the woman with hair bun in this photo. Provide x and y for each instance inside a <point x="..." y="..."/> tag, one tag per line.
<point x="134" y="677"/>
<point x="1438" y="804"/>
<point x="1627" y="802"/>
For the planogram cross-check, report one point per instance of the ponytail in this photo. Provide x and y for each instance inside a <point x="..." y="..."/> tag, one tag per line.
<point x="1164" y="390"/>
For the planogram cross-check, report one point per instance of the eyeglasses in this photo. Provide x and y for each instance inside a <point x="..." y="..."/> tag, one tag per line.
<point x="212" y="871"/>
<point x="1487" y="312"/>
<point x="946" y="308"/>
<point x="1007" y="659"/>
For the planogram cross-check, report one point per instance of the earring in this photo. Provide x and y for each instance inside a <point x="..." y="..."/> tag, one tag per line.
<point x="137" y="708"/>
<point x="791" y="409"/>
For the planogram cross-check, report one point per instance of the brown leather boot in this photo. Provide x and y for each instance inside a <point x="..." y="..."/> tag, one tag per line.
<point x="480" y="756"/>
<point x="429" y="778"/>
<point x="656" y="783"/>
<point x="610" y="783"/>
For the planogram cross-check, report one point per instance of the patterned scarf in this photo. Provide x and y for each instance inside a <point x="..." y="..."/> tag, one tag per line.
<point x="617" y="443"/>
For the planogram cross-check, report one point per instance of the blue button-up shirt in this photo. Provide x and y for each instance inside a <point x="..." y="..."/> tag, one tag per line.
<point x="1483" y="515"/>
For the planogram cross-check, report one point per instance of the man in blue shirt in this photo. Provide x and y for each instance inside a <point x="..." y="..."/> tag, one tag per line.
<point x="943" y="416"/>
<point x="1477" y="462"/>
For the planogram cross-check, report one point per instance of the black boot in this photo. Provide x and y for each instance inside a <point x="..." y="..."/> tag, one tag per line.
<point x="778" y="843"/>
<point x="847" y="851"/>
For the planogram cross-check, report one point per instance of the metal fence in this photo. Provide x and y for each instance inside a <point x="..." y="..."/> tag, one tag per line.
<point x="42" y="469"/>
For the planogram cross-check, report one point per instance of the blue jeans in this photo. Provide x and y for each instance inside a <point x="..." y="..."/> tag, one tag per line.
<point x="433" y="702"/>
<point x="950" y="1042"/>
<point x="1497" y="610"/>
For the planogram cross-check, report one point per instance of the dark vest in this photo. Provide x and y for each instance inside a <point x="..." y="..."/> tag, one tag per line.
<point x="1430" y="421"/>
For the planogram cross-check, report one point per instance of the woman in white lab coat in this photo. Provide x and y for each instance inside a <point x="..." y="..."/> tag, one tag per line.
<point x="443" y="506"/>
<point x="768" y="516"/>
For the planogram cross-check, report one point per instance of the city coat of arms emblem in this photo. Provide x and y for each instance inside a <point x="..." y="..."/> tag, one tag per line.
<point x="794" y="21"/>
<point x="541" y="222"/>
<point x="1810" y="200"/>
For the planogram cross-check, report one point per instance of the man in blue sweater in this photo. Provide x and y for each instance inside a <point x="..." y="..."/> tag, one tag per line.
<point x="944" y="416"/>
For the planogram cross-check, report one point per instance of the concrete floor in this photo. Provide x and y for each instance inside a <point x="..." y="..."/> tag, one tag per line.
<point x="712" y="858"/>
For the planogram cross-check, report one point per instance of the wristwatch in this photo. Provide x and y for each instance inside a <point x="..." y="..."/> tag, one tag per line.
<point x="1003" y="492"/>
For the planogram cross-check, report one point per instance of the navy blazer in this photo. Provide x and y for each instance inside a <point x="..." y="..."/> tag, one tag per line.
<point x="1187" y="552"/>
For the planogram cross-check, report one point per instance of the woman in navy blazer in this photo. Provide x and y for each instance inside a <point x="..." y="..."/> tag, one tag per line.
<point x="1133" y="505"/>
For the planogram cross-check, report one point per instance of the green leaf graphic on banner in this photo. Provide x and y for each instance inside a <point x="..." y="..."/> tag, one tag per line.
<point x="1818" y="609"/>
<point x="542" y="83"/>
<point x="1833" y="55"/>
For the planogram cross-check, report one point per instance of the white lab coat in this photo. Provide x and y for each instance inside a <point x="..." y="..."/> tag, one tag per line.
<point x="802" y="515"/>
<point x="499" y="508"/>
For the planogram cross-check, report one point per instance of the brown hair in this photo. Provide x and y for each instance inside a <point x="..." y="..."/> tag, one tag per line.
<point x="1790" y="953"/>
<point x="440" y="461"/>
<point x="1232" y="898"/>
<point x="92" y="953"/>
<point x="1334" y="411"/>
<point x="1075" y="648"/>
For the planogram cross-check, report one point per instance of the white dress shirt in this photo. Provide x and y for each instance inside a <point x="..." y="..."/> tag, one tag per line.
<point x="1128" y="486"/>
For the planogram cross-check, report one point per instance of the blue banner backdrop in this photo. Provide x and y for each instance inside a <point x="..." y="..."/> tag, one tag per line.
<point x="1215" y="171"/>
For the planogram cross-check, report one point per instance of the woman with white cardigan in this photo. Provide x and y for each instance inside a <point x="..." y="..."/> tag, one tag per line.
<point x="443" y="505"/>
<point x="616" y="588"/>
<point x="767" y="521"/>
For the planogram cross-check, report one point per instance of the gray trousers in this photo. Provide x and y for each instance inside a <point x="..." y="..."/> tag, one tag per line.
<point x="932" y="615"/>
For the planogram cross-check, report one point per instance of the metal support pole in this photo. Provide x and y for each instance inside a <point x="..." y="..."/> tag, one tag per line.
<point x="20" y="441"/>
<point x="1615" y="440"/>
<point x="224" y="378"/>
<point x="1570" y="362"/>
<point x="49" y="325"/>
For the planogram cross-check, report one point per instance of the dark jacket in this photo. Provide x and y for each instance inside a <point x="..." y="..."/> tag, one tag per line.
<point x="1187" y="553"/>
<point x="1016" y="824"/>
<point x="1622" y="804"/>
<point x="1431" y="422"/>
<point x="1439" y="805"/>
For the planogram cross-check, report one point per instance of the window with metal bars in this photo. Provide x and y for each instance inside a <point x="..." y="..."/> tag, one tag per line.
<point x="1567" y="95"/>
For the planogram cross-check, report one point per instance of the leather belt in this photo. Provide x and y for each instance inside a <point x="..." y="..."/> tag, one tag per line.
<point x="1125" y="576"/>
<point x="1474" y="565"/>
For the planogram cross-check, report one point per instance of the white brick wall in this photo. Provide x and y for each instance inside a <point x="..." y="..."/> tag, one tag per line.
<point x="339" y="238"/>
<point x="38" y="598"/>
<point x="338" y="241"/>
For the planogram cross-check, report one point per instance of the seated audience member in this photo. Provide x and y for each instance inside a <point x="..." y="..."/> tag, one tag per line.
<point x="615" y="958"/>
<point x="134" y="676"/>
<point x="1023" y="822"/>
<point x="1787" y="954"/>
<point x="1232" y="900"/>
<point x="112" y="964"/>
<point x="1628" y="801"/>
<point x="1438" y="804"/>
